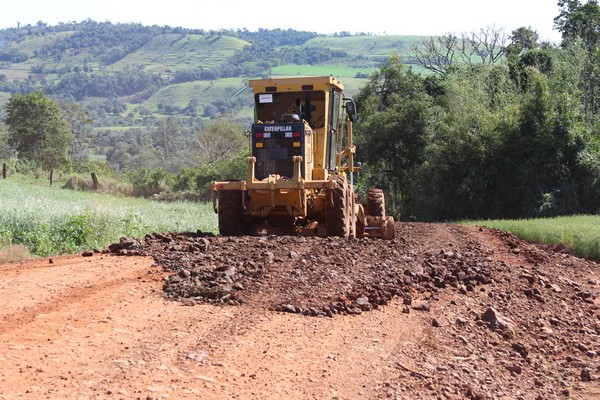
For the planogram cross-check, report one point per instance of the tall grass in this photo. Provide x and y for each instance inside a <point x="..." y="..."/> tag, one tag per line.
<point x="581" y="233"/>
<point x="51" y="221"/>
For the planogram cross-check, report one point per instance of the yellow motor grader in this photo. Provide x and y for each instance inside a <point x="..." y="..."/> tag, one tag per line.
<point x="300" y="176"/>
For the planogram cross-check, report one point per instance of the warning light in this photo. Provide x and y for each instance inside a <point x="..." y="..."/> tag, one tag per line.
<point x="296" y="134"/>
<point x="296" y="144"/>
<point x="259" y="145"/>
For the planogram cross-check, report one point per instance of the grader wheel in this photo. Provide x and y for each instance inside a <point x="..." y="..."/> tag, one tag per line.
<point x="337" y="211"/>
<point x="230" y="213"/>
<point x="359" y="217"/>
<point x="376" y="203"/>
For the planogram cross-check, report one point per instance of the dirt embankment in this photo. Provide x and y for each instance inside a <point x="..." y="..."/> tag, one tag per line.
<point x="442" y="311"/>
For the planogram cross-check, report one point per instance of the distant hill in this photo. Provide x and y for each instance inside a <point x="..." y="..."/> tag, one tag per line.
<point x="132" y="75"/>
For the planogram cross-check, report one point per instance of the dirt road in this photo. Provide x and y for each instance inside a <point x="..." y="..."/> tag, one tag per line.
<point x="408" y="319"/>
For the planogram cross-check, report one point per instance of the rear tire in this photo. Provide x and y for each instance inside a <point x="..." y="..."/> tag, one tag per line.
<point x="337" y="214"/>
<point x="230" y="213"/>
<point x="376" y="203"/>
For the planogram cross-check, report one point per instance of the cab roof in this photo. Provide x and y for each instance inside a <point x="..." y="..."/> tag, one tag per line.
<point x="295" y="84"/>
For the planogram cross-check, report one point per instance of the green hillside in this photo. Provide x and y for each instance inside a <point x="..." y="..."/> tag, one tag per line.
<point x="204" y="92"/>
<point x="373" y="48"/>
<point x="123" y="74"/>
<point x="172" y="52"/>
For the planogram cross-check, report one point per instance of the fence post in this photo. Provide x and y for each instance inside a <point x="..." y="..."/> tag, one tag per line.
<point x="95" y="183"/>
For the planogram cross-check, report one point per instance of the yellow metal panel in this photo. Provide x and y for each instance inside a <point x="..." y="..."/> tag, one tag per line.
<point x="295" y="84"/>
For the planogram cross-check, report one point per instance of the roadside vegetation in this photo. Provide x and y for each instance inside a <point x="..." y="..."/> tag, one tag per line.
<point x="581" y="233"/>
<point x="49" y="220"/>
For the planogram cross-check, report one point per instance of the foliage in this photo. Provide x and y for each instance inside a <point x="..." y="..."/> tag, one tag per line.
<point x="439" y="53"/>
<point x="233" y="168"/>
<point x="393" y="131"/>
<point x="579" y="24"/>
<point x="51" y="221"/>
<point x="514" y="139"/>
<point x="579" y="232"/>
<point x="38" y="130"/>
<point x="219" y="140"/>
<point x="147" y="183"/>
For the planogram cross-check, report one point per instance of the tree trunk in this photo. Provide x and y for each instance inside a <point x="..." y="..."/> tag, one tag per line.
<point x="51" y="171"/>
<point x="95" y="184"/>
<point x="3" y="170"/>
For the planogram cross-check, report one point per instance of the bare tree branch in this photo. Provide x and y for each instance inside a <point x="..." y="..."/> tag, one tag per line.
<point x="438" y="53"/>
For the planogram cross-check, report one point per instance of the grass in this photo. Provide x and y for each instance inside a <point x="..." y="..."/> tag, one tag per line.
<point x="171" y="52"/>
<point x="321" y="70"/>
<point x="581" y="232"/>
<point x="370" y="47"/>
<point x="204" y="91"/>
<point x="50" y="221"/>
<point x="13" y="253"/>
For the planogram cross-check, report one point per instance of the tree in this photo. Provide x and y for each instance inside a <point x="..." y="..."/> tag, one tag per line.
<point x="168" y="141"/>
<point x="220" y="140"/>
<point x="80" y="124"/>
<point x="577" y="20"/>
<point x="5" y="150"/>
<point x="580" y="23"/>
<point x="439" y="53"/>
<point x="392" y="131"/>
<point x="38" y="130"/>
<point x="522" y="40"/>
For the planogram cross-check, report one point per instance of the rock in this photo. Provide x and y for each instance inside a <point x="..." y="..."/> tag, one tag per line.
<point x="555" y="288"/>
<point x="521" y="349"/>
<point x="530" y="278"/>
<point x="188" y="302"/>
<point x="204" y="245"/>
<point x="184" y="273"/>
<point x="515" y="369"/>
<point x="497" y="320"/>
<point x="293" y="254"/>
<point x="115" y="247"/>
<point x="87" y="253"/>
<point x="363" y="303"/>
<point x="586" y="375"/>
<point x="582" y="347"/>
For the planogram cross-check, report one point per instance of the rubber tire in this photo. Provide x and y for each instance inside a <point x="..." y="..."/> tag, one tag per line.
<point x="376" y="203"/>
<point x="336" y="215"/>
<point x="360" y="226"/>
<point x="230" y="213"/>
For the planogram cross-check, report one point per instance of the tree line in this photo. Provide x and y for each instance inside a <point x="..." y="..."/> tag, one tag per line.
<point x="516" y="138"/>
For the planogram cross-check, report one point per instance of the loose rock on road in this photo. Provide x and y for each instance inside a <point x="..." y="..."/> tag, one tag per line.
<point x="442" y="311"/>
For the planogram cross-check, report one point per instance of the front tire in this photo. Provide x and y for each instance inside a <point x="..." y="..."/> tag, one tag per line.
<point x="230" y="213"/>
<point x="336" y="214"/>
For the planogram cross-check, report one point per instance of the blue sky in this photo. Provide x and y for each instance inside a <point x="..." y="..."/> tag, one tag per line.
<point x="403" y="17"/>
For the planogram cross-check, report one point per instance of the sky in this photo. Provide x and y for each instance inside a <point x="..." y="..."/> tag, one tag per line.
<point x="400" y="17"/>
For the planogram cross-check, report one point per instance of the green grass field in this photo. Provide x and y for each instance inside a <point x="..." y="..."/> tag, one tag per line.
<point x="50" y="220"/>
<point x="581" y="233"/>
<point x="204" y="91"/>
<point x="172" y="52"/>
<point x="368" y="46"/>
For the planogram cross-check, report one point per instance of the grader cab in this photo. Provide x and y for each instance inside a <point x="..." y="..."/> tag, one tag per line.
<point x="300" y="175"/>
